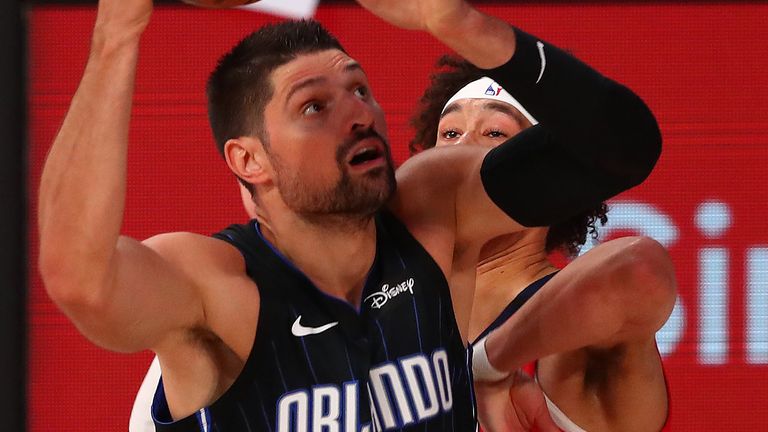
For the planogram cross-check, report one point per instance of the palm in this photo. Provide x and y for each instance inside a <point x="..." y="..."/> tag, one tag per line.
<point x="513" y="405"/>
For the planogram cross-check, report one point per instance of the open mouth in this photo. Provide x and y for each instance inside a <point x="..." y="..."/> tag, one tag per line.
<point x="365" y="154"/>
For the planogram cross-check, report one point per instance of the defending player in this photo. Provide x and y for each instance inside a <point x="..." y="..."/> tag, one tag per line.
<point x="596" y="319"/>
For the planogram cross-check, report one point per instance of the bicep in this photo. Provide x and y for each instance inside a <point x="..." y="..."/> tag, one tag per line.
<point x="148" y="298"/>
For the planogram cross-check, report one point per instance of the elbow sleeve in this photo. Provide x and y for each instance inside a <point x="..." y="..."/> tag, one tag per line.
<point x="595" y="137"/>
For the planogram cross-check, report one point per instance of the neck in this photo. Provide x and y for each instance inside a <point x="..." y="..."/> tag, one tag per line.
<point x="507" y="266"/>
<point x="335" y="253"/>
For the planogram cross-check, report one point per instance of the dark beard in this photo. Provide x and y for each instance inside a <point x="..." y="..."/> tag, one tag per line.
<point x="351" y="200"/>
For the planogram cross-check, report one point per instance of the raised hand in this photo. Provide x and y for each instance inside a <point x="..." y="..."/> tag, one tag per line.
<point x="485" y="41"/>
<point x="425" y="15"/>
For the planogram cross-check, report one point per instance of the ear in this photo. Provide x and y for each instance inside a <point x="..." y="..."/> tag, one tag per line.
<point x="248" y="160"/>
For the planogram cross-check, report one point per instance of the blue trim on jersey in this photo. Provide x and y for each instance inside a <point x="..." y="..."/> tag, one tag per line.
<point x="160" y="412"/>
<point x="513" y="306"/>
<point x="383" y="340"/>
<point x="516" y="304"/>
<point x="293" y="267"/>
<point x="471" y="380"/>
<point x="349" y="363"/>
<point x="418" y="323"/>
<point x="279" y="369"/>
<point x="204" y="420"/>
<point x="245" y="417"/>
<point x="306" y="352"/>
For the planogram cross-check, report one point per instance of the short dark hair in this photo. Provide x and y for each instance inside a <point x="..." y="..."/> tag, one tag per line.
<point x="454" y="73"/>
<point x="240" y="86"/>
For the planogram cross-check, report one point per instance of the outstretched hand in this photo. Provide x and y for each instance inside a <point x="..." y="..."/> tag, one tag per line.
<point x="515" y="404"/>
<point x="426" y="15"/>
<point x="485" y="41"/>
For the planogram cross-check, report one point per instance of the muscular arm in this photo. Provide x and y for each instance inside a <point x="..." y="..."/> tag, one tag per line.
<point x="593" y="327"/>
<point x="118" y="292"/>
<point x="620" y="291"/>
<point x="595" y="138"/>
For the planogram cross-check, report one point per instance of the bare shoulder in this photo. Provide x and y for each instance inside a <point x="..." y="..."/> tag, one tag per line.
<point x="190" y="250"/>
<point x="441" y="167"/>
<point x="200" y="361"/>
<point x="428" y="184"/>
<point x="441" y="191"/>
<point x="425" y="200"/>
<point x="219" y="274"/>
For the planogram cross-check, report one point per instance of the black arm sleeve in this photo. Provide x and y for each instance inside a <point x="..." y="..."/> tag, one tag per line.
<point x="595" y="137"/>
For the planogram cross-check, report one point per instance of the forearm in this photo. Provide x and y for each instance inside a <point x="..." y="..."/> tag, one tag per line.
<point x="551" y="322"/>
<point x="483" y="40"/>
<point x="621" y="292"/>
<point x="82" y="189"/>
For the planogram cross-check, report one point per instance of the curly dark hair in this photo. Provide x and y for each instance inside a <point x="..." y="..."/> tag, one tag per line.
<point x="454" y="73"/>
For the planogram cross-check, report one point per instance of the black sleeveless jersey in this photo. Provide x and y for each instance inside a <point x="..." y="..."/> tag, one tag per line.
<point x="319" y="364"/>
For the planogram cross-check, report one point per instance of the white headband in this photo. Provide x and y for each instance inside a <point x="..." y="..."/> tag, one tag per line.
<point x="486" y="88"/>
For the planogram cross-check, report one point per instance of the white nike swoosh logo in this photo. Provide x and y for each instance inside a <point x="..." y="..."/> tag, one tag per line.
<point x="299" y="330"/>
<point x="540" y="46"/>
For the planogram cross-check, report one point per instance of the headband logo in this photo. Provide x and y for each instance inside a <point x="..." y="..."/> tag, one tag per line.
<point x="491" y="92"/>
<point x="486" y="88"/>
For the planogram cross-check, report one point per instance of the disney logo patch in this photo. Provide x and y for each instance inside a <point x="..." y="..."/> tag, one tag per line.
<point x="380" y="298"/>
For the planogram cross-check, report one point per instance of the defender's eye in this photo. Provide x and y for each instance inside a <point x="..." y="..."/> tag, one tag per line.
<point x="450" y="134"/>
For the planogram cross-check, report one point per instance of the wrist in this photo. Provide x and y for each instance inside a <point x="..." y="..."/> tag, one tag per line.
<point x="452" y="23"/>
<point x="115" y="30"/>
<point x="483" y="40"/>
<point x="106" y="42"/>
<point x="482" y="369"/>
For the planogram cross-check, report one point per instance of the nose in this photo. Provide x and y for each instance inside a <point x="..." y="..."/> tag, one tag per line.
<point x="463" y="139"/>
<point x="362" y="115"/>
<point x="473" y="136"/>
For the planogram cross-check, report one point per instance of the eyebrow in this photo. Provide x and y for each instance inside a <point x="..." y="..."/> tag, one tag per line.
<point x="313" y="81"/>
<point x="501" y="107"/>
<point x="453" y="108"/>
<point x="489" y="105"/>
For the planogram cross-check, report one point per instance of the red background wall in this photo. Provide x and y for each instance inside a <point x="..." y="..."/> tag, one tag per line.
<point x="701" y="68"/>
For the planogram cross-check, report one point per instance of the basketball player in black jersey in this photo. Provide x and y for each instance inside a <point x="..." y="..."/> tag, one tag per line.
<point x="345" y="305"/>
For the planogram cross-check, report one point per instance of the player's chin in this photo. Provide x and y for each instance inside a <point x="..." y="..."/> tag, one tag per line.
<point x="379" y="186"/>
<point x="383" y="177"/>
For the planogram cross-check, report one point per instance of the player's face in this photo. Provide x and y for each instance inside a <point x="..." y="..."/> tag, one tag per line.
<point x="480" y="122"/>
<point x="327" y="137"/>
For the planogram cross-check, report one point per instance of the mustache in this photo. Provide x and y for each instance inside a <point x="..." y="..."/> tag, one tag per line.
<point x="356" y="137"/>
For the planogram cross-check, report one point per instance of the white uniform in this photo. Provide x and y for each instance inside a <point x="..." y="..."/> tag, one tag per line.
<point x="141" y="416"/>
